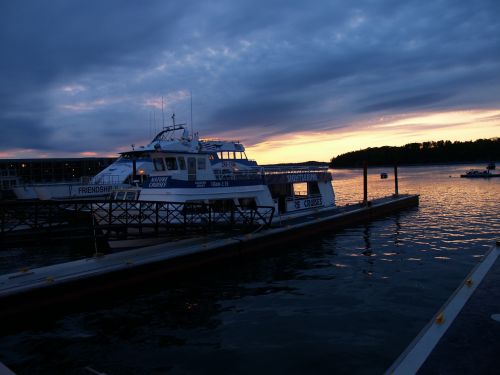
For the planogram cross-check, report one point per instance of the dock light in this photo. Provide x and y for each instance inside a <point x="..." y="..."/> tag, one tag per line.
<point x="440" y="319"/>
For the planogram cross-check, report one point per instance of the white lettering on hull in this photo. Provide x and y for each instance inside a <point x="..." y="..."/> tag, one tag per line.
<point x="308" y="203"/>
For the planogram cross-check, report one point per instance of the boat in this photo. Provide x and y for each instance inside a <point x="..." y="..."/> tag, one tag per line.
<point x="475" y="173"/>
<point x="383" y="175"/>
<point x="190" y="170"/>
<point x="123" y="173"/>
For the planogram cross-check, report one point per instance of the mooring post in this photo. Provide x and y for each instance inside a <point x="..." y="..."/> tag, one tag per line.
<point x="396" y="190"/>
<point x="365" y="183"/>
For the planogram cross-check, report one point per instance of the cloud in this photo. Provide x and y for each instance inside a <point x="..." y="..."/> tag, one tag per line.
<point x="407" y="103"/>
<point x="85" y="76"/>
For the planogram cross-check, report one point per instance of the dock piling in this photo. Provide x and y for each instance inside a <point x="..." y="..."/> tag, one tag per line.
<point x="365" y="183"/>
<point x="396" y="189"/>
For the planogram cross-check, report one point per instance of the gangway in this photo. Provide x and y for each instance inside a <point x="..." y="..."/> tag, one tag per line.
<point x="109" y="219"/>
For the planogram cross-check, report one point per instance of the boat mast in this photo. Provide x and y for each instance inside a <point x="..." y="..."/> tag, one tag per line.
<point x="191" y="95"/>
<point x="162" y="114"/>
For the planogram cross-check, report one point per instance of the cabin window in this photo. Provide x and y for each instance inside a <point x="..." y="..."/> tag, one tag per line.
<point x="158" y="164"/>
<point x="120" y="195"/>
<point x="182" y="162"/>
<point x="300" y="189"/>
<point x="202" y="163"/>
<point x="220" y="155"/>
<point x="130" y="196"/>
<point x="313" y="188"/>
<point x="171" y="163"/>
<point x="280" y="190"/>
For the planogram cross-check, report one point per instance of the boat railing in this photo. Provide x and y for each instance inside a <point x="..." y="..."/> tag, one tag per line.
<point x="247" y="174"/>
<point x="127" y="219"/>
<point x="219" y="141"/>
<point x="124" y="219"/>
<point x="106" y="180"/>
<point x="298" y="197"/>
<point x="294" y="170"/>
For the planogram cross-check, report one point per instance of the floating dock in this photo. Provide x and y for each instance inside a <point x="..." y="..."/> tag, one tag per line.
<point x="31" y="289"/>
<point x="463" y="336"/>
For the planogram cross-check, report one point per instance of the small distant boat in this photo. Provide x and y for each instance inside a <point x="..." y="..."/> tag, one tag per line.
<point x="491" y="166"/>
<point x="474" y="173"/>
<point x="383" y="175"/>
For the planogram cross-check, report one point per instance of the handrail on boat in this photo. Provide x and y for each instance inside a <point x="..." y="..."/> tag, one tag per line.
<point x="294" y="170"/>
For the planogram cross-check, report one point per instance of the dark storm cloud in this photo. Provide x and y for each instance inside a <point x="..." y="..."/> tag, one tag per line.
<point x="283" y="65"/>
<point x="406" y="103"/>
<point x="45" y="42"/>
<point x="28" y="133"/>
<point x="427" y="55"/>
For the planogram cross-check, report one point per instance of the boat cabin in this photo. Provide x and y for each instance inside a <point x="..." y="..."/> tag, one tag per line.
<point x="294" y="189"/>
<point x="189" y="169"/>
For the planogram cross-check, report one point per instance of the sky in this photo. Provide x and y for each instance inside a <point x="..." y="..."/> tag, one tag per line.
<point x="293" y="80"/>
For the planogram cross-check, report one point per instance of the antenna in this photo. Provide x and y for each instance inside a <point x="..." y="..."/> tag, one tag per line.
<point x="162" y="114"/>
<point x="191" y="94"/>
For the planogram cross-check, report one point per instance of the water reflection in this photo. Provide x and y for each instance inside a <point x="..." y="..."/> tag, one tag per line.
<point x="366" y="239"/>
<point x="345" y="302"/>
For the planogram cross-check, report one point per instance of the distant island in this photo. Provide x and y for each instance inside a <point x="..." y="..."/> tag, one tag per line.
<point x="440" y="152"/>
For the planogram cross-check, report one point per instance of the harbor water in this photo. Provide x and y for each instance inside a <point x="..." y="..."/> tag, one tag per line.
<point x="346" y="302"/>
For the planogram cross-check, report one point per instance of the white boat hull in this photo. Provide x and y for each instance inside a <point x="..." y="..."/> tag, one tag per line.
<point x="25" y="192"/>
<point x="74" y="191"/>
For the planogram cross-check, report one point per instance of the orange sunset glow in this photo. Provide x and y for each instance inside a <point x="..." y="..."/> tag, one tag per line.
<point x="395" y="131"/>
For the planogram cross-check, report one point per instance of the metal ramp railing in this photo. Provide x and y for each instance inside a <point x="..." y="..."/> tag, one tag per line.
<point x="123" y="219"/>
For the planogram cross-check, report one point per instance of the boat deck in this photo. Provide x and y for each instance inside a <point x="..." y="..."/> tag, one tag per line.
<point x="463" y="337"/>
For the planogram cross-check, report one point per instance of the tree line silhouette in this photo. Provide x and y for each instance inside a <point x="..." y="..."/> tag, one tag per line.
<point x="481" y="150"/>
